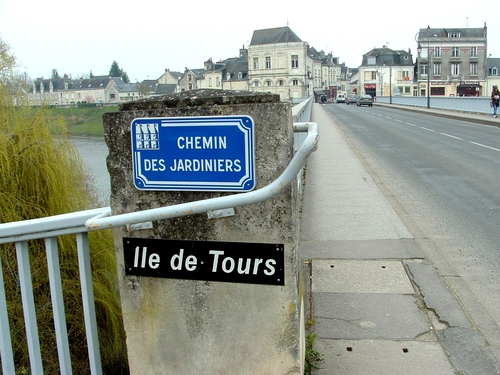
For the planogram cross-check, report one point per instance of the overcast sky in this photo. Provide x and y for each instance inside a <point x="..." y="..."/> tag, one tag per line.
<point x="147" y="36"/>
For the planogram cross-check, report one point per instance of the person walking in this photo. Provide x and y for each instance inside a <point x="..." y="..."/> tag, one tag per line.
<point x="495" y="99"/>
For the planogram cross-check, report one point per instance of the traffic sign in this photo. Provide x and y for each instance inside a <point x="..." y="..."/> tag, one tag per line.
<point x="208" y="153"/>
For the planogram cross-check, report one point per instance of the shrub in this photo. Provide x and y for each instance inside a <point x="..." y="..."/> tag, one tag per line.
<point x="41" y="174"/>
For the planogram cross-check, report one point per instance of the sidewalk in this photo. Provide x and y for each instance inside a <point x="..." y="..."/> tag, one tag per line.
<point x="369" y="315"/>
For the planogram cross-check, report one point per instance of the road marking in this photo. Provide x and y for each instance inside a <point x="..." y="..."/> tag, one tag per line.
<point x="431" y="130"/>
<point x="409" y="123"/>
<point x="451" y="136"/>
<point x="479" y="144"/>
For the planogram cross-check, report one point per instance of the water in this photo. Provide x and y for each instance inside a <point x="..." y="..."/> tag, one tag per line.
<point x="94" y="151"/>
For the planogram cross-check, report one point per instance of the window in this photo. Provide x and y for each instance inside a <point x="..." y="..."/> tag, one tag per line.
<point x="473" y="69"/>
<point x="295" y="61"/>
<point x="281" y="82"/>
<point x="256" y="84"/>
<point x="437" y="51"/>
<point x="374" y="75"/>
<point x="228" y="76"/>
<point x="455" y="69"/>
<point x="217" y="81"/>
<point x="405" y="74"/>
<point x="455" y="52"/>
<point x="256" y="63"/>
<point x="267" y="83"/>
<point x="473" y="52"/>
<point x="454" y="35"/>
<point x="437" y="90"/>
<point x="268" y="62"/>
<point x="210" y="82"/>
<point x="437" y="69"/>
<point x="494" y="71"/>
<point x="407" y="89"/>
<point x="424" y="69"/>
<point x="295" y="82"/>
<point x="240" y="76"/>
<point x="189" y="78"/>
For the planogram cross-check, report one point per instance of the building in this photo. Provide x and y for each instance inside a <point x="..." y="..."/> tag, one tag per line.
<point x="386" y="72"/>
<point x="63" y="91"/>
<point x="277" y="63"/>
<point x="453" y="61"/>
<point x="229" y="74"/>
<point x="493" y="74"/>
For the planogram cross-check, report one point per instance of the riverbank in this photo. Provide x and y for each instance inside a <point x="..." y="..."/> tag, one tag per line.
<point x="84" y="120"/>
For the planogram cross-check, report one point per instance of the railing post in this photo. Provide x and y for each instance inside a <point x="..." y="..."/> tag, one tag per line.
<point x="82" y="242"/>
<point x="6" y="355"/>
<point x="58" y="305"/>
<point x="32" y="338"/>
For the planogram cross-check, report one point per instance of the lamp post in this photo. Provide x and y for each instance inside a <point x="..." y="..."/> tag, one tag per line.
<point x="390" y="85"/>
<point x="429" y="53"/>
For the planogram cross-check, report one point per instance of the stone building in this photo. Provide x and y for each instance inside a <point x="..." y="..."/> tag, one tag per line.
<point x="383" y="70"/>
<point x="455" y="60"/>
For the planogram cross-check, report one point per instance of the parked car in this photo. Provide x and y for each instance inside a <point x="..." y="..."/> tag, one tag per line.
<point x="365" y="100"/>
<point x="350" y="99"/>
<point x="340" y="98"/>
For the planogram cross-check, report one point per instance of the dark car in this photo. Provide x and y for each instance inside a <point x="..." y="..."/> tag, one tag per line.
<point x="365" y="100"/>
<point x="350" y="99"/>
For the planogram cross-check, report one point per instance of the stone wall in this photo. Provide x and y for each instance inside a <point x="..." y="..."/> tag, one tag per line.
<point x="199" y="327"/>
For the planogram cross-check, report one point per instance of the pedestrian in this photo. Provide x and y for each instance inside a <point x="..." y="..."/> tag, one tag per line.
<point x="495" y="99"/>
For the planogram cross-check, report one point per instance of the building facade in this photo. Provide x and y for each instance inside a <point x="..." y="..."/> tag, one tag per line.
<point x="66" y="91"/>
<point x="452" y="61"/>
<point x="386" y="72"/>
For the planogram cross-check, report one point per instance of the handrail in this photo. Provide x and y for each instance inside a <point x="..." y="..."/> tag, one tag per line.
<point x="184" y="209"/>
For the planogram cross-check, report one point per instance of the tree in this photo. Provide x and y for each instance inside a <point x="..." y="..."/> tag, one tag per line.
<point x="7" y="62"/>
<point x="116" y="71"/>
<point x="55" y="74"/>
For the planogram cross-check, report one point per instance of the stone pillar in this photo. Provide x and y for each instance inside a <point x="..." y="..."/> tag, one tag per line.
<point x="181" y="326"/>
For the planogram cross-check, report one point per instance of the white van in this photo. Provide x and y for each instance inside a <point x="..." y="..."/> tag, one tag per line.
<point x="340" y="98"/>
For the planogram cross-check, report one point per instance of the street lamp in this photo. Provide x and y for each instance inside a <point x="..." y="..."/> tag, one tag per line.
<point x="429" y="53"/>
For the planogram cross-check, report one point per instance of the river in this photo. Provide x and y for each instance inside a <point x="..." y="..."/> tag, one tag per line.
<point x="94" y="151"/>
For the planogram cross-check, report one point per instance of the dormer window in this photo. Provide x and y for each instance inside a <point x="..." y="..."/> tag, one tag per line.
<point x="240" y="75"/>
<point x="454" y="35"/>
<point x="228" y="76"/>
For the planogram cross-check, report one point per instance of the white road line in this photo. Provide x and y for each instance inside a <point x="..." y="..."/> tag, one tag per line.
<point x="431" y="130"/>
<point x="445" y="134"/>
<point x="451" y="136"/>
<point x="479" y="144"/>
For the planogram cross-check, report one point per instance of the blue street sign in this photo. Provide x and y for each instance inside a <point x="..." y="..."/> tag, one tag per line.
<point x="194" y="153"/>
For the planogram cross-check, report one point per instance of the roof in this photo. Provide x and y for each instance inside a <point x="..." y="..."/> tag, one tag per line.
<point x="273" y="36"/>
<point x="389" y="57"/>
<point x="464" y="32"/>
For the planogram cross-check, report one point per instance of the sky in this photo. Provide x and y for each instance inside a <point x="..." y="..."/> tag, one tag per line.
<point x="148" y="36"/>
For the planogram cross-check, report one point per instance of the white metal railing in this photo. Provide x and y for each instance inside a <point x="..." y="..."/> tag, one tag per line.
<point x="79" y="223"/>
<point x="479" y="104"/>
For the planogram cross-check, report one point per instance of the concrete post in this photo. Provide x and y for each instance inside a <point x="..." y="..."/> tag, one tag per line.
<point x="183" y="326"/>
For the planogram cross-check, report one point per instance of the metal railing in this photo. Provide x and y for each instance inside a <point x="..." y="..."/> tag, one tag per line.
<point x="479" y="104"/>
<point x="79" y="224"/>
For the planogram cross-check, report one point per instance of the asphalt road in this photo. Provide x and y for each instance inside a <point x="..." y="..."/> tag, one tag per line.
<point x="444" y="176"/>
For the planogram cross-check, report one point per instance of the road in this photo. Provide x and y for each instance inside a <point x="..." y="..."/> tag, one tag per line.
<point x="443" y="177"/>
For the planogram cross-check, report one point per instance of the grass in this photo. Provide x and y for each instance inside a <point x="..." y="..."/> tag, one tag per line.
<point x="84" y="120"/>
<point x="314" y="359"/>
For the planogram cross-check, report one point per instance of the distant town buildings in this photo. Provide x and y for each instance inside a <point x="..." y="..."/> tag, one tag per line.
<point x="449" y="62"/>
